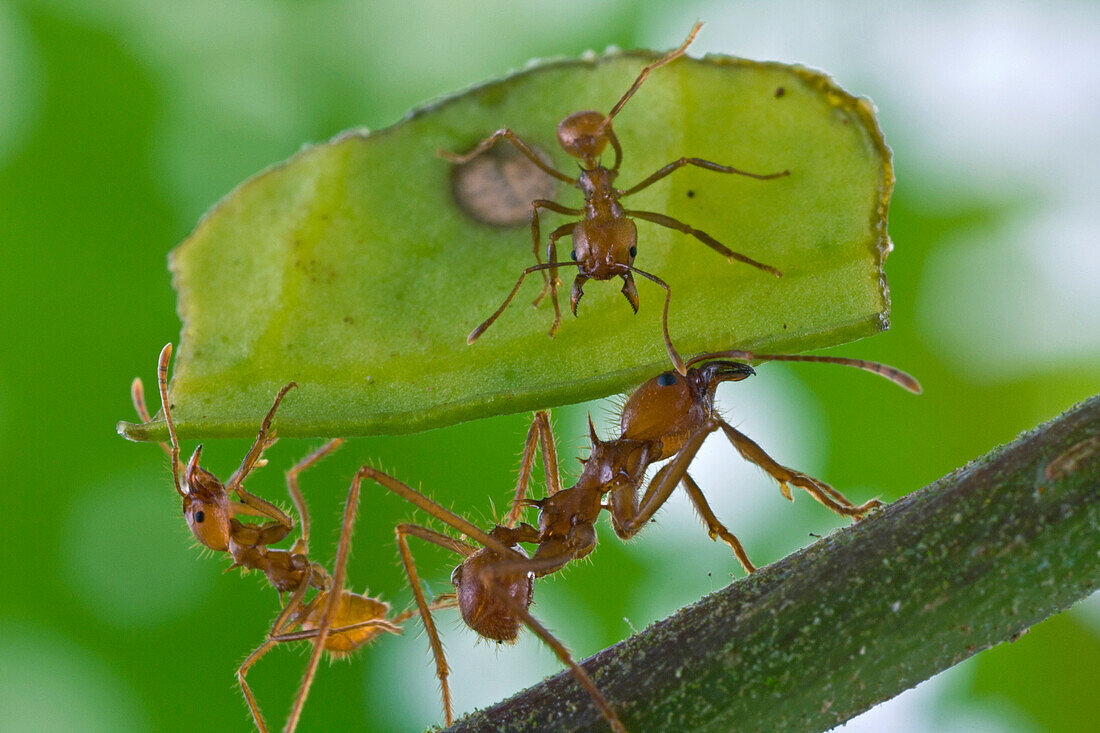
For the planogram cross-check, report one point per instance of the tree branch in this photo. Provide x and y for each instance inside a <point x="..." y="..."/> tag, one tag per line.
<point x="970" y="561"/>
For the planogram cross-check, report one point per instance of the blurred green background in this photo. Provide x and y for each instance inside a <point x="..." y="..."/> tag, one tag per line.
<point x="121" y="122"/>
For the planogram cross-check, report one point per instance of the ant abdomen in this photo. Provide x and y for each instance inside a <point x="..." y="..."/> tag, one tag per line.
<point x="482" y="607"/>
<point x="352" y="609"/>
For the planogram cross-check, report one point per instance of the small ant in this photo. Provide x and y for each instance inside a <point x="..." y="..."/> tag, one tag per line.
<point x="605" y="241"/>
<point x="667" y="417"/>
<point x="338" y="620"/>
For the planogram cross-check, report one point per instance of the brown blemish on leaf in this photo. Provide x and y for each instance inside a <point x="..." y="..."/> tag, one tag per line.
<point x="497" y="187"/>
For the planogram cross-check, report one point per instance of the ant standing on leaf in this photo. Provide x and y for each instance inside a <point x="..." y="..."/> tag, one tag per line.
<point x="668" y="417"/>
<point x="605" y="241"/>
<point x="337" y="620"/>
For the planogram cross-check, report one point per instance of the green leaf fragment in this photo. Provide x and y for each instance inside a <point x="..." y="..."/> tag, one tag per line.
<point x="351" y="270"/>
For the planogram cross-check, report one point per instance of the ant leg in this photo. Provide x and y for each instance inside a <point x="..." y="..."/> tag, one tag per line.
<point x="715" y="528"/>
<point x="162" y="385"/>
<point x="825" y="494"/>
<point x="441" y="669"/>
<point x="282" y="621"/>
<point x="505" y="133"/>
<point x="264" y="440"/>
<point x="540" y="432"/>
<point x="543" y="633"/>
<point x="301" y="545"/>
<point x="628" y="516"/>
<point x="645" y="72"/>
<point x="441" y="513"/>
<point x="668" y="221"/>
<point x="710" y="166"/>
<point x="476" y="333"/>
<point x="334" y="594"/>
<point x="672" y="353"/>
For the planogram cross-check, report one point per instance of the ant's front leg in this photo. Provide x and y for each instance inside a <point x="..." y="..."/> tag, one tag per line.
<point x="442" y="671"/>
<point x="628" y="515"/>
<point x="264" y="440"/>
<point x="825" y="494"/>
<point x="540" y="432"/>
<point x="506" y="134"/>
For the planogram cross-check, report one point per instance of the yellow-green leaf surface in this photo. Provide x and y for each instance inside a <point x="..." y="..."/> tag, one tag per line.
<point x="350" y="270"/>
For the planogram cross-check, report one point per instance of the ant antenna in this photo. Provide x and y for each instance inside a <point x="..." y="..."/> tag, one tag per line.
<point x="645" y="72"/>
<point x="162" y="383"/>
<point x="902" y="379"/>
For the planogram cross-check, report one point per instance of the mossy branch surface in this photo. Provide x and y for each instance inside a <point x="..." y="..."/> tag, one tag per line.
<point x="957" y="567"/>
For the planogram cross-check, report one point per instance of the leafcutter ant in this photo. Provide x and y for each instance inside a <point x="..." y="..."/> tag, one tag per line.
<point x="605" y="241"/>
<point x="337" y="620"/>
<point x="668" y="417"/>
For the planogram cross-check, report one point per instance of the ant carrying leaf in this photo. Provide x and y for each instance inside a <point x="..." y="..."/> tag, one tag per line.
<point x="667" y="417"/>
<point x="335" y="619"/>
<point x="605" y="242"/>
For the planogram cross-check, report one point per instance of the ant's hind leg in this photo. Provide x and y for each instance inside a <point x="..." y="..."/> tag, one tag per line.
<point x="506" y="134"/>
<point x="825" y="494"/>
<point x="335" y="592"/>
<point x="288" y="618"/>
<point x="715" y="528"/>
<point x="668" y="221"/>
<point x="442" y="671"/>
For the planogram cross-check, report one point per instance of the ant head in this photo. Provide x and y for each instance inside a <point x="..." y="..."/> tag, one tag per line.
<point x="671" y="404"/>
<point x="205" y="505"/>
<point x="480" y="600"/>
<point x="584" y="135"/>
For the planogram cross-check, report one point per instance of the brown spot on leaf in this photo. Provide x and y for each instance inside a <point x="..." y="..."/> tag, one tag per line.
<point x="498" y="186"/>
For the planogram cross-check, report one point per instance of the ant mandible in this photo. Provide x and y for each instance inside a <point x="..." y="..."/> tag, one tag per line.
<point x="338" y="621"/>
<point x="667" y="417"/>
<point x="605" y="241"/>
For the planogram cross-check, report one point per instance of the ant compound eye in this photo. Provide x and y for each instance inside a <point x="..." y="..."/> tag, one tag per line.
<point x="573" y="255"/>
<point x="667" y="379"/>
<point x="199" y="516"/>
<point x="633" y="251"/>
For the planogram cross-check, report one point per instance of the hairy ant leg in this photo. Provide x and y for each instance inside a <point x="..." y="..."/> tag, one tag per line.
<point x="289" y="616"/>
<point x="709" y="165"/>
<point x="752" y="452"/>
<point x="668" y="221"/>
<point x="335" y="595"/>
<point x="542" y="434"/>
<point x="442" y="671"/>
<point x="505" y="134"/>
<point x="301" y="545"/>
<point x="476" y="333"/>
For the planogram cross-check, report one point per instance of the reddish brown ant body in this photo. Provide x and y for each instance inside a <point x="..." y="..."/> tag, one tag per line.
<point x="605" y="242"/>
<point x="668" y="417"/>
<point x="338" y="620"/>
